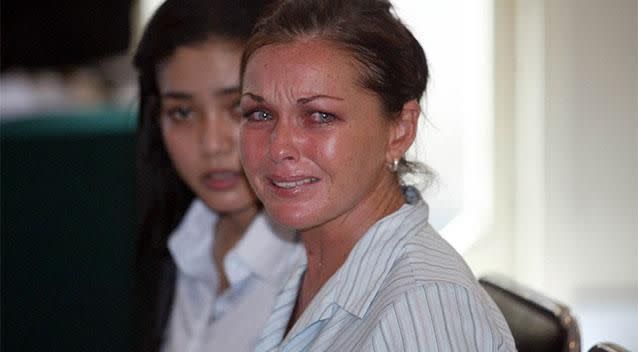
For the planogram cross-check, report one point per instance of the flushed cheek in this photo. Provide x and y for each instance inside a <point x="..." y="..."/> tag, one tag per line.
<point x="336" y="153"/>
<point x="325" y="146"/>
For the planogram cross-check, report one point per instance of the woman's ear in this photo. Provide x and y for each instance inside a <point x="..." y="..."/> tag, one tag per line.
<point x="403" y="130"/>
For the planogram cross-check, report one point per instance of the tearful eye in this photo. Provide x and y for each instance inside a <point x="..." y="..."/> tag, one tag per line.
<point x="323" y="117"/>
<point x="258" y="115"/>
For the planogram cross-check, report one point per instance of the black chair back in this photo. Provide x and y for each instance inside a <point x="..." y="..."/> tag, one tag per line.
<point x="537" y="322"/>
<point x="607" y="347"/>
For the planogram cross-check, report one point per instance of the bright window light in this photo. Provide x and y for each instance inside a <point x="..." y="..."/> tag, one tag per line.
<point x="146" y="10"/>
<point x="455" y="138"/>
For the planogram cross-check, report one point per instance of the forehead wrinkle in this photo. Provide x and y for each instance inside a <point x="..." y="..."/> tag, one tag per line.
<point x="285" y="76"/>
<point x="284" y="87"/>
<point x="305" y="83"/>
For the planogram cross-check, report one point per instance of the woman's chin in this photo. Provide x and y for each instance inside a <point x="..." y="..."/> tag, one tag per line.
<point x="296" y="219"/>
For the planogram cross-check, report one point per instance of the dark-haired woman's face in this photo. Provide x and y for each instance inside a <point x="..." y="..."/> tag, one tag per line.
<point x="314" y="144"/>
<point x="199" y="87"/>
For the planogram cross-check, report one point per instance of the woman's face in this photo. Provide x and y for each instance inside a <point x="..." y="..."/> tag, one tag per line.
<point x="314" y="144"/>
<point x="199" y="88"/>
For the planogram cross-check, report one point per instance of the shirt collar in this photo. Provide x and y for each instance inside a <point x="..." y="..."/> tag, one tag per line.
<point x="262" y="250"/>
<point x="191" y="243"/>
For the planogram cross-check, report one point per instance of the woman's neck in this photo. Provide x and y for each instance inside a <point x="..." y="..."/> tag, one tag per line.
<point x="328" y="246"/>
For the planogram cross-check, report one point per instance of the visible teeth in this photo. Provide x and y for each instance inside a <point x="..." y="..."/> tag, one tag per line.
<point x="295" y="183"/>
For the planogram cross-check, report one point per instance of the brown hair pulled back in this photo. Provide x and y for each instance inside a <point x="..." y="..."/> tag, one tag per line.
<point x="392" y="62"/>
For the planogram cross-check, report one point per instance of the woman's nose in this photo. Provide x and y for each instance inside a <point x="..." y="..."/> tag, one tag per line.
<point x="283" y="141"/>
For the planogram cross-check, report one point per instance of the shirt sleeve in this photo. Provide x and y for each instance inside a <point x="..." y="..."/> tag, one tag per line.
<point x="441" y="317"/>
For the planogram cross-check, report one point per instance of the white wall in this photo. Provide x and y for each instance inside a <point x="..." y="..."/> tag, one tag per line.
<point x="566" y="153"/>
<point x="591" y="152"/>
<point x="591" y="155"/>
<point x="456" y="139"/>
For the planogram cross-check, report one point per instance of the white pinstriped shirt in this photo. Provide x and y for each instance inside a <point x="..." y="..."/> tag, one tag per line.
<point x="402" y="288"/>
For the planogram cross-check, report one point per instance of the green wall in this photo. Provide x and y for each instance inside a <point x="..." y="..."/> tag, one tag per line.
<point x="67" y="227"/>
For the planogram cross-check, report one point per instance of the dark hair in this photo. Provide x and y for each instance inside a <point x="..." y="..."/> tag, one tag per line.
<point x="162" y="197"/>
<point x="391" y="62"/>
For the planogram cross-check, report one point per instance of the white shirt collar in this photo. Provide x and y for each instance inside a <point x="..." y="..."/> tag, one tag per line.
<point x="261" y="250"/>
<point x="191" y="243"/>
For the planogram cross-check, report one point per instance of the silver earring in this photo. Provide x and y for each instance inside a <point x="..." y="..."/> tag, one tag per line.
<point x="395" y="165"/>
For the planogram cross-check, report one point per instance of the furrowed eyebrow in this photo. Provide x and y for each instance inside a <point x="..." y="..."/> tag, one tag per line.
<point x="254" y="97"/>
<point x="306" y="100"/>
<point x="300" y="101"/>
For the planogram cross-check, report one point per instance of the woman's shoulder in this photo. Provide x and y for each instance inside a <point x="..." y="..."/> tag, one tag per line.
<point x="439" y="315"/>
<point x="425" y="258"/>
<point x="430" y="258"/>
<point x="432" y="284"/>
<point x="418" y="251"/>
<point x="409" y="248"/>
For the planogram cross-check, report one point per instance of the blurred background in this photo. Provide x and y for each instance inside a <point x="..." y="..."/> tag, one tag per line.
<point x="531" y="122"/>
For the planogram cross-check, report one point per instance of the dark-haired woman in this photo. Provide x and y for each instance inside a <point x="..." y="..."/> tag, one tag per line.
<point x="209" y="263"/>
<point x="330" y="103"/>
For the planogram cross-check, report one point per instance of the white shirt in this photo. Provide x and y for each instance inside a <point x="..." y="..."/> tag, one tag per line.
<point x="402" y="288"/>
<point x="256" y="268"/>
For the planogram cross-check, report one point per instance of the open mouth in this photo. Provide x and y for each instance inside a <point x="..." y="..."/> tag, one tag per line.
<point x="293" y="184"/>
